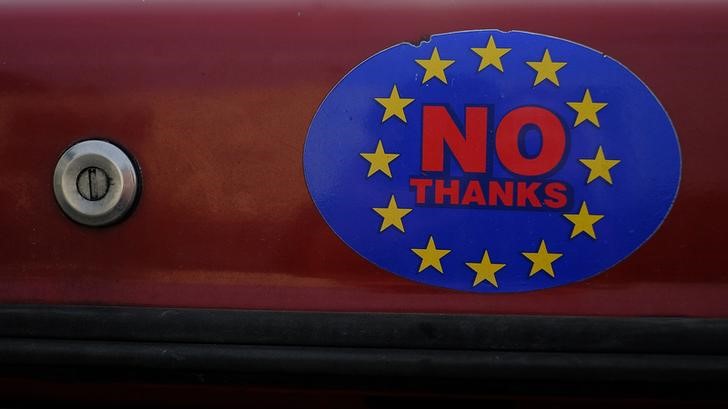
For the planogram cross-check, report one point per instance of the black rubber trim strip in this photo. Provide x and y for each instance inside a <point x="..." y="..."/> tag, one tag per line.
<point x="367" y="362"/>
<point x="445" y="354"/>
<point x="687" y="336"/>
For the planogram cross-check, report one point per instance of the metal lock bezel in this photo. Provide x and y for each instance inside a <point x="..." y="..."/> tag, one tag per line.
<point x="123" y="183"/>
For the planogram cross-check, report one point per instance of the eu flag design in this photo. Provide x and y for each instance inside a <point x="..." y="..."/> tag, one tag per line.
<point x="492" y="161"/>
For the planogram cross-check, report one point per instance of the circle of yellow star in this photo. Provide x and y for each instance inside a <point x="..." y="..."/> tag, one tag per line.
<point x="583" y="221"/>
<point x="379" y="160"/>
<point x="490" y="55"/>
<point x="542" y="260"/>
<point x="431" y="256"/>
<point x="599" y="166"/>
<point x="546" y="69"/>
<point x="394" y="105"/>
<point x="435" y="67"/>
<point x="392" y="215"/>
<point x="586" y="110"/>
<point x="485" y="270"/>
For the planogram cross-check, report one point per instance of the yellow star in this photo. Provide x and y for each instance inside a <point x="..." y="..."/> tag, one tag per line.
<point x="435" y="67"/>
<point x="392" y="215"/>
<point x="379" y="160"/>
<point x="394" y="105"/>
<point x="542" y="260"/>
<point x="491" y="55"/>
<point x="485" y="270"/>
<point x="586" y="109"/>
<point x="431" y="256"/>
<point x="599" y="166"/>
<point x="546" y="69"/>
<point x="583" y="221"/>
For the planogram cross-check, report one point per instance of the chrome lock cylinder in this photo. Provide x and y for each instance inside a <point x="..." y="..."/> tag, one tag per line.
<point x="96" y="183"/>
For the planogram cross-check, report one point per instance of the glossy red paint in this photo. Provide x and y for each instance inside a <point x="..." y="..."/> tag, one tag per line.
<point x="215" y="102"/>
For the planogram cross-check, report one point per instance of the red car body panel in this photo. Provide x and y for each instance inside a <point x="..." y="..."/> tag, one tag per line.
<point x="214" y="101"/>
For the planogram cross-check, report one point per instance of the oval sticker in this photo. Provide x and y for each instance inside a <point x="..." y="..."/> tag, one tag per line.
<point x="492" y="161"/>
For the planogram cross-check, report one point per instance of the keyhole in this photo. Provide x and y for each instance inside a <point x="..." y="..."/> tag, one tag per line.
<point x="92" y="183"/>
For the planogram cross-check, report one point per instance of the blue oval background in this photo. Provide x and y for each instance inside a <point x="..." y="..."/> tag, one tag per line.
<point x="634" y="128"/>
